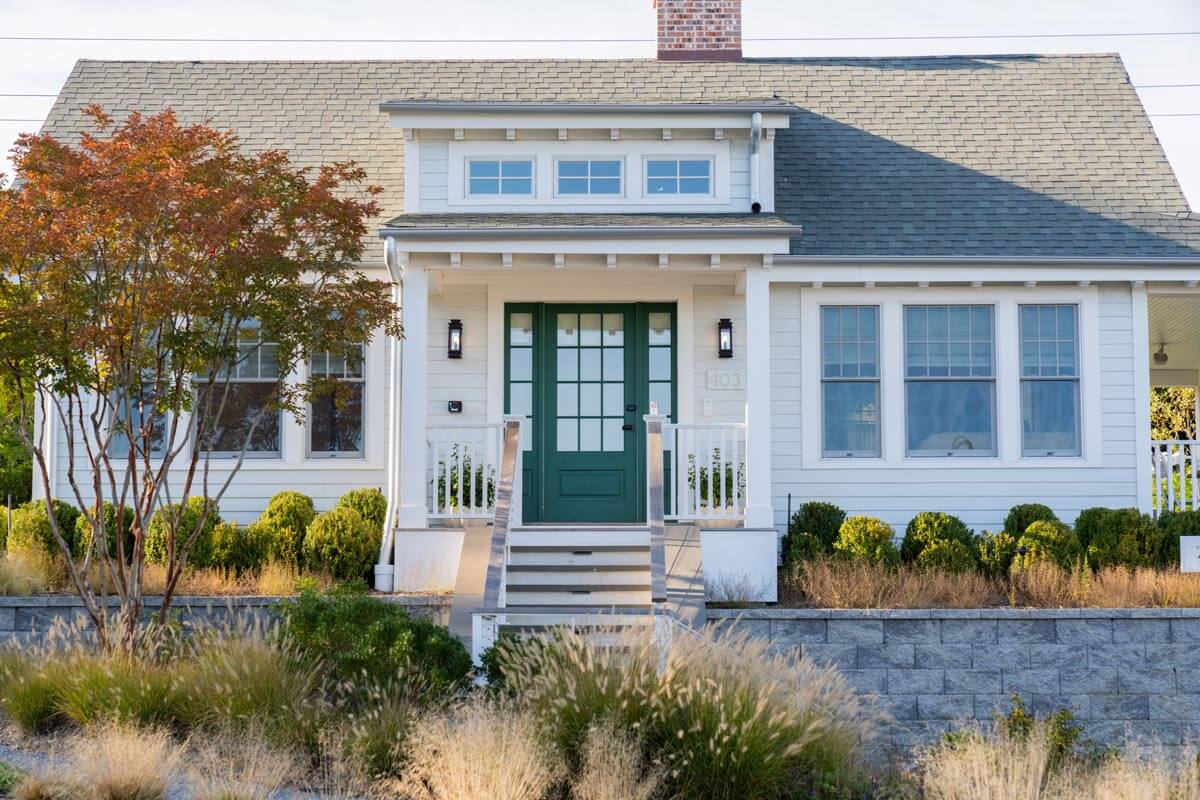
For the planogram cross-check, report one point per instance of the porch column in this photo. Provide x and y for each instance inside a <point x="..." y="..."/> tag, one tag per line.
<point x="759" y="510"/>
<point x="414" y="399"/>
<point x="1141" y="394"/>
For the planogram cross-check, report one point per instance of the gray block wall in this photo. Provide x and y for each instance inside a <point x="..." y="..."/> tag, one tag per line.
<point x="1127" y="674"/>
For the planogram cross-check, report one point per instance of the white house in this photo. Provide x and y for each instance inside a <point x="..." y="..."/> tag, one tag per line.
<point x="897" y="284"/>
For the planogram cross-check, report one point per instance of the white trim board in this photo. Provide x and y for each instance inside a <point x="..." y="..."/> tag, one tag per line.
<point x="1008" y="385"/>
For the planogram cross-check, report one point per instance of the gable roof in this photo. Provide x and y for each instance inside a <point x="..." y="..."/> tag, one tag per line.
<point x="1024" y="156"/>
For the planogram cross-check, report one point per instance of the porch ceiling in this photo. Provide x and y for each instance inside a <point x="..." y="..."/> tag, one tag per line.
<point x="1175" y="325"/>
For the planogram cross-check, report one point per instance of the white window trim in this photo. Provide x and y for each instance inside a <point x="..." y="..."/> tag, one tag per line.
<point x="712" y="177"/>
<point x="340" y="455"/>
<point x="633" y="153"/>
<point x="1008" y="384"/>
<point x="621" y="194"/>
<point x="500" y="197"/>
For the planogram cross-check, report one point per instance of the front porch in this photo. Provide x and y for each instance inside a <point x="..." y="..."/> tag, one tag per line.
<point x="1174" y="361"/>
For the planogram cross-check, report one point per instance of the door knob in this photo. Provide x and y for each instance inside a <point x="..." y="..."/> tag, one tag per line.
<point x="631" y="408"/>
<point x="628" y="426"/>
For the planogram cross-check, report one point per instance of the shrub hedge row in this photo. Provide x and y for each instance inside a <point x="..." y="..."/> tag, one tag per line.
<point x="1100" y="537"/>
<point x="342" y="542"/>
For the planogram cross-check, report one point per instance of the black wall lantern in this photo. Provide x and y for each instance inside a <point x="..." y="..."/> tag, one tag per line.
<point x="454" y="339"/>
<point x="725" y="339"/>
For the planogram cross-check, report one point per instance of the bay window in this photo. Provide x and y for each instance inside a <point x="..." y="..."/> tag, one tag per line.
<point x="1050" y="380"/>
<point x="950" y="380"/>
<point x="335" y="420"/>
<point x="850" y="380"/>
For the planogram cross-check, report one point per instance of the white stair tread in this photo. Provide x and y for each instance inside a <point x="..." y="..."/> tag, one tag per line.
<point x="597" y="599"/>
<point x="580" y="539"/>
<point x="599" y="559"/>
<point x="579" y="578"/>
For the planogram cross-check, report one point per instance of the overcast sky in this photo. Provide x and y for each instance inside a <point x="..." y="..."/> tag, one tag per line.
<point x="41" y="66"/>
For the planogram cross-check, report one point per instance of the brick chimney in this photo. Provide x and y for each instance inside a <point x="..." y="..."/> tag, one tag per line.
<point x="699" y="30"/>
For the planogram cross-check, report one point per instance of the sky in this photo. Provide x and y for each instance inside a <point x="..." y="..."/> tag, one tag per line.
<point x="1165" y="68"/>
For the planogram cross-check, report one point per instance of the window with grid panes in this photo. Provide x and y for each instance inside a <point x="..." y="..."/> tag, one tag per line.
<point x="1050" y="380"/>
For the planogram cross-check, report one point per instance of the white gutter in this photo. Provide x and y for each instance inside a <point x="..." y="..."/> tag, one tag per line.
<point x="385" y="568"/>
<point x="756" y="123"/>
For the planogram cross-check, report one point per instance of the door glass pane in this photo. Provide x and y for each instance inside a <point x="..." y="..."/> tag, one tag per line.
<point x="589" y="330"/>
<point x="589" y="435"/>
<point x="661" y="393"/>
<point x="614" y="363"/>
<point x="660" y="363"/>
<point x="520" y="367"/>
<point x="568" y="399"/>
<point x="568" y="329"/>
<point x="568" y="437"/>
<point x="589" y="399"/>
<point x="589" y="365"/>
<point x="568" y="369"/>
<point x="520" y="329"/>
<point x="660" y="329"/>
<point x="614" y="437"/>
<point x="614" y="329"/>
<point x="520" y="399"/>
<point x="614" y="399"/>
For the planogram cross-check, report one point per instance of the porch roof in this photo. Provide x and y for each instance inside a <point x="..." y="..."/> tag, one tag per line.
<point x="525" y="226"/>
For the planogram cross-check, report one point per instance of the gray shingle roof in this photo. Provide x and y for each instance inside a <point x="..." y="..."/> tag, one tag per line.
<point x="946" y="156"/>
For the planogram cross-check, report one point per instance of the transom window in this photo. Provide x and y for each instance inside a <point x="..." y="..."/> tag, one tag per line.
<point x="590" y="177"/>
<point x="850" y="380"/>
<point x="950" y="380"/>
<point x="335" y="421"/>
<point x="678" y="176"/>
<point x="1050" y="380"/>
<point x="486" y="177"/>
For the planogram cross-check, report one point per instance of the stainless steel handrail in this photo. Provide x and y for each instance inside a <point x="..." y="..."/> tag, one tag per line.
<point x="655" y="508"/>
<point x="508" y="512"/>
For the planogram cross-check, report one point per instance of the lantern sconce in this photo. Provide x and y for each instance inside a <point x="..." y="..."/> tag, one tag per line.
<point x="454" y="339"/>
<point x="725" y="339"/>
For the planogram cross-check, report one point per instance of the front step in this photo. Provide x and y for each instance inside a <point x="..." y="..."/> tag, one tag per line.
<point x="578" y="578"/>
<point x="598" y="598"/>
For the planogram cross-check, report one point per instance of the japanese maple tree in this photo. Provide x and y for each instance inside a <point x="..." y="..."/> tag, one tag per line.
<point x="140" y="265"/>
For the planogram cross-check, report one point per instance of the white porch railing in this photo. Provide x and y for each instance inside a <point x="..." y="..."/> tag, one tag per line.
<point x="463" y="464"/>
<point x="707" y="464"/>
<point x="1175" y="482"/>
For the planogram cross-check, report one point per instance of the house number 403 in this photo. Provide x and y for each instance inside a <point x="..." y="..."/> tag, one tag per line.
<point x="726" y="379"/>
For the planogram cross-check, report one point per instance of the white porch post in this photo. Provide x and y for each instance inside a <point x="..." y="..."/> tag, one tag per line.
<point x="759" y="511"/>
<point x="414" y="399"/>
<point x="1141" y="394"/>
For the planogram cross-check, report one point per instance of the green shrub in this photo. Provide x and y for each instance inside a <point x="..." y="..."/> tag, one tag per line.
<point x="1088" y="524"/>
<point x="1020" y="517"/>
<point x="370" y="504"/>
<point x="1174" y="524"/>
<point x="185" y="518"/>
<point x="1122" y="537"/>
<point x="112" y="521"/>
<point x="867" y="538"/>
<point x="933" y="526"/>
<point x="239" y="549"/>
<point x="360" y="637"/>
<point x="1048" y="541"/>
<point x="812" y="531"/>
<point x="341" y="544"/>
<point x="947" y="555"/>
<point x="996" y="552"/>
<point x="31" y="532"/>
<point x="1061" y="730"/>
<point x="286" y="520"/>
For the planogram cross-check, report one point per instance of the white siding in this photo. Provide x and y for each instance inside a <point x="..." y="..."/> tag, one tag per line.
<point x="711" y="303"/>
<point x="980" y="495"/>
<point x="463" y="378"/>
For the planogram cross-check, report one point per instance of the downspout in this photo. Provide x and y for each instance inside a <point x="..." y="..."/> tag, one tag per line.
<point x="385" y="568"/>
<point x="756" y="120"/>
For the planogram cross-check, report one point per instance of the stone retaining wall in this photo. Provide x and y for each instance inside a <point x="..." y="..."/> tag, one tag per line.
<point x="1126" y="673"/>
<point x="28" y="620"/>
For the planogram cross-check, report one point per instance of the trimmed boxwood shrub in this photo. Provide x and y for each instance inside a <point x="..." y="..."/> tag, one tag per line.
<point x="83" y="530"/>
<point x="360" y="637"/>
<point x="240" y="549"/>
<point x="285" y="522"/>
<point x="948" y="555"/>
<point x="819" y="519"/>
<point x="186" y="518"/>
<point x="31" y="532"/>
<point x="1020" y="517"/>
<point x="1123" y="537"/>
<point x="1088" y="523"/>
<point x="867" y="538"/>
<point x="341" y="544"/>
<point x="996" y="552"/>
<point x="1048" y="541"/>
<point x="370" y="504"/>
<point x="933" y="526"/>
<point x="1174" y="524"/>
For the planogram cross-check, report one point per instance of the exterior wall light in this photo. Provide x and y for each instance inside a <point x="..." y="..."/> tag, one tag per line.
<point x="454" y="339"/>
<point x="725" y="339"/>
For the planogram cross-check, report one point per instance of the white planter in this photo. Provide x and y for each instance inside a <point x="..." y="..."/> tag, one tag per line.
<point x="427" y="560"/>
<point x="740" y="564"/>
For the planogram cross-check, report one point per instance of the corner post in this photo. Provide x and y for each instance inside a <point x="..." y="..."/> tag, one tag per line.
<point x="759" y="510"/>
<point x="414" y="400"/>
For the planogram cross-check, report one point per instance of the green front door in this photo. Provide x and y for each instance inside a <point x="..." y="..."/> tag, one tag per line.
<point x="583" y="375"/>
